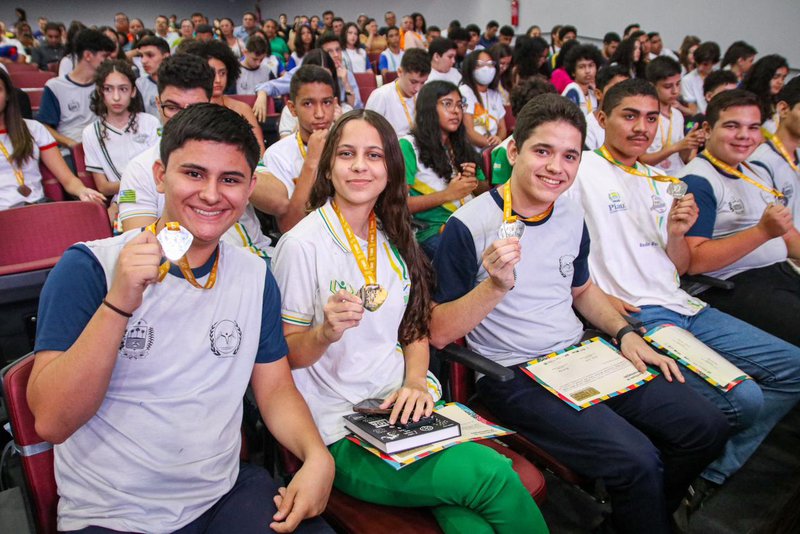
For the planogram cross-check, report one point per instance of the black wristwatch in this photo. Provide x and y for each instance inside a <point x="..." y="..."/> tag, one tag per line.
<point x="625" y="330"/>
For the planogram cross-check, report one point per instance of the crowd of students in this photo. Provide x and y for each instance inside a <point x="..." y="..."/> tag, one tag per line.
<point x="628" y="167"/>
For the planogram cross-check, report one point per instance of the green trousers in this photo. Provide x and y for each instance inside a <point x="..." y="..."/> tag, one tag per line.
<point x="469" y="487"/>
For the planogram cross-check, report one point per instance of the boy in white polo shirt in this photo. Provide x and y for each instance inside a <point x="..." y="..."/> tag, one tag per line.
<point x="396" y="101"/>
<point x="705" y="57"/>
<point x="145" y="364"/>
<point x="258" y="66"/>
<point x="745" y="231"/>
<point x="581" y="63"/>
<point x="442" y="53"/>
<point x="153" y="51"/>
<point x="513" y="299"/>
<point x="670" y="149"/>
<point x="639" y="251"/>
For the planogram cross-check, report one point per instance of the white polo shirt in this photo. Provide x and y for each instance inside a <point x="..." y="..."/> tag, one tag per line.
<point x="783" y="175"/>
<point x="692" y="90"/>
<point x="249" y="79"/>
<point x="284" y="161"/>
<point x="672" y="128"/>
<point x="487" y="112"/>
<point x="65" y="106"/>
<point x="386" y="100"/>
<point x="42" y="140"/>
<point x="595" y="134"/>
<point x="389" y="60"/>
<point x="148" y="88"/>
<point x="575" y="93"/>
<point x="452" y="76"/>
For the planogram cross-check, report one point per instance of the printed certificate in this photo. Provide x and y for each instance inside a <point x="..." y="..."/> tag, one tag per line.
<point x="587" y="374"/>
<point x="696" y="356"/>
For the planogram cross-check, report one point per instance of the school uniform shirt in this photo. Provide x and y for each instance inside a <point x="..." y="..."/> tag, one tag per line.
<point x="148" y="88"/>
<point x="501" y="167"/>
<point x="108" y="150"/>
<point x="312" y="262"/>
<point x="294" y="61"/>
<point x="487" y="110"/>
<point x="672" y="128"/>
<point x="535" y="318"/>
<point x="284" y="161"/>
<point x="66" y="65"/>
<point x="249" y="79"/>
<point x="574" y="92"/>
<point x="9" y="196"/>
<point x="595" y="134"/>
<point x="389" y="60"/>
<point x="356" y="60"/>
<point x="386" y="100"/>
<point x="452" y="76"/>
<point x="627" y="220"/>
<point x="692" y="90"/>
<point x="138" y="197"/>
<point x="785" y="178"/>
<point x="729" y="205"/>
<point x="163" y="446"/>
<point x="65" y="106"/>
<point x="422" y="180"/>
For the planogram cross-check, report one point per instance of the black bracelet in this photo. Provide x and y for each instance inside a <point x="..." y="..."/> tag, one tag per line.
<point x="625" y="330"/>
<point x="122" y="313"/>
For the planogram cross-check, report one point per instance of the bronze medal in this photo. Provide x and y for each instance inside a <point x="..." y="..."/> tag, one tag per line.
<point x="24" y="190"/>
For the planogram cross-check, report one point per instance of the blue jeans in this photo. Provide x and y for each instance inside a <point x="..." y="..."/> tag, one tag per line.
<point x="752" y="407"/>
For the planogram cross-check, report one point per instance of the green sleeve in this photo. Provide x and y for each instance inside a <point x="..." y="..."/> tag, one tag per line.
<point x="481" y="177"/>
<point x="501" y="168"/>
<point x="410" y="157"/>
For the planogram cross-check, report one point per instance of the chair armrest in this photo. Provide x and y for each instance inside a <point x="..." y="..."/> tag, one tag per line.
<point x="476" y="362"/>
<point x="697" y="283"/>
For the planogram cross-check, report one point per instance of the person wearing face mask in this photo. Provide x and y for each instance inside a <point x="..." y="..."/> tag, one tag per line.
<point x="483" y="116"/>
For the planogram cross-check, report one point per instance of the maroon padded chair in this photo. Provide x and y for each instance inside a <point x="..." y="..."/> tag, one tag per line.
<point x="250" y="100"/>
<point x="390" y="76"/>
<point x="367" y="83"/>
<point x="36" y="454"/>
<point x="35" y="96"/>
<point x="31" y="79"/>
<point x="14" y="68"/>
<point x="374" y="60"/>
<point x="486" y="159"/>
<point x="510" y="121"/>
<point x="50" y="184"/>
<point x="79" y="158"/>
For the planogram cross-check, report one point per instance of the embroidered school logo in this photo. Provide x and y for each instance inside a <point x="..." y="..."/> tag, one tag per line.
<point x="140" y="138"/>
<point x="137" y="341"/>
<point x="565" y="266"/>
<point x="659" y="206"/>
<point x="74" y="106"/>
<point x="736" y="206"/>
<point x="616" y="203"/>
<point x="226" y="336"/>
<point x="340" y="285"/>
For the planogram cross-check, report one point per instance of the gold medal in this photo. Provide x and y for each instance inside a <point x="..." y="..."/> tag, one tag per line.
<point x="372" y="296"/>
<point x="22" y="188"/>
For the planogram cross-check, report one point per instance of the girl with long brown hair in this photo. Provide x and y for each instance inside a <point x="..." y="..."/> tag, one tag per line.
<point x="356" y="303"/>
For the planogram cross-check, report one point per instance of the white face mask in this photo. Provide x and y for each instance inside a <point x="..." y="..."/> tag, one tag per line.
<point x="485" y="75"/>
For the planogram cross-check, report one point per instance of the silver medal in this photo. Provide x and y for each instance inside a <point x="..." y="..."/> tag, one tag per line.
<point x="175" y="243"/>
<point x="677" y="190"/>
<point x="511" y="229"/>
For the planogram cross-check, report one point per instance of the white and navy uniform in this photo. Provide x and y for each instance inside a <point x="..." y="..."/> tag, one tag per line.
<point x="312" y="262"/>
<point x="108" y="150"/>
<point x="729" y="205"/>
<point x="595" y="134"/>
<point x="389" y="60"/>
<point x="65" y="106"/>
<point x="385" y="100"/>
<point x="138" y="197"/>
<point x="163" y="446"/>
<point x="356" y="60"/>
<point x="452" y="76"/>
<point x="249" y="79"/>
<point x="785" y="178"/>
<point x="284" y="161"/>
<point x="148" y="88"/>
<point x="627" y="220"/>
<point x="9" y="196"/>
<point x="674" y="128"/>
<point x="487" y="111"/>
<point x="575" y="93"/>
<point x="692" y="90"/>
<point x="535" y="318"/>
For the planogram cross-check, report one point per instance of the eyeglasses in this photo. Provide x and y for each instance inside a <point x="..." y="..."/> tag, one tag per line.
<point x="485" y="63"/>
<point x="170" y="109"/>
<point x="450" y="105"/>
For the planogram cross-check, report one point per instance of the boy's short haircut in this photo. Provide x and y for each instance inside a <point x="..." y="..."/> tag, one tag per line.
<point x="258" y="46"/>
<point x="567" y="28"/>
<point x="390" y="28"/>
<point x="624" y="89"/>
<point x="325" y="38"/>
<point x="631" y="26"/>
<point x="661" y="68"/>
<point x="52" y="26"/>
<point x="650" y="35"/>
<point x="735" y="98"/>
<point x="186" y="71"/>
<point x="203" y="28"/>
<point x="209" y="122"/>
<point x="94" y="41"/>
<point x="606" y="74"/>
<point x="337" y="19"/>
<point x="249" y="13"/>
<point x="548" y="107"/>
<point x="158" y="42"/>
<point x="327" y="12"/>
<point x="507" y="31"/>
<point x="492" y="24"/>
<point x="459" y="34"/>
<point x="717" y="79"/>
<point x="707" y="52"/>
<point x="611" y="37"/>
<point x="637" y="34"/>
<point x="736" y="51"/>
<point x="577" y="53"/>
<point x="790" y="93"/>
<point x="441" y="45"/>
<point x="219" y="51"/>
<point x="416" y="60"/>
<point x="310" y="74"/>
<point x="527" y="90"/>
<point x="473" y="28"/>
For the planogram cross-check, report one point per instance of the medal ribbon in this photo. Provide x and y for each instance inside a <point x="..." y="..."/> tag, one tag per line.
<point x="603" y="151"/>
<point x="405" y="106"/>
<point x="724" y="167"/>
<point x="300" y="145"/>
<point x="366" y="264"/>
<point x="778" y="144"/>
<point x="507" y="214"/>
<point x="17" y="171"/>
<point x="183" y="263"/>
<point x="665" y="141"/>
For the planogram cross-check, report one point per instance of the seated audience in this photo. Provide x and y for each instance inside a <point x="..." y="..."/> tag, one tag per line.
<point x="355" y="56"/>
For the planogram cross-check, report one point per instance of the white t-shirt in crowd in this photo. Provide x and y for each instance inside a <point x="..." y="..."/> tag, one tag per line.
<point x="487" y="112"/>
<point x="387" y="101"/>
<point x="42" y="140"/>
<point x="692" y="90"/>
<point x="452" y="76"/>
<point x="284" y="161"/>
<point x="595" y="134"/>
<point x="672" y="128"/>
<point x="148" y="88"/>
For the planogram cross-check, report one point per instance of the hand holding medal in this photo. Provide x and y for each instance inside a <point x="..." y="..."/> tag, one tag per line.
<point x="342" y="312"/>
<point x="176" y="241"/>
<point x="682" y="216"/>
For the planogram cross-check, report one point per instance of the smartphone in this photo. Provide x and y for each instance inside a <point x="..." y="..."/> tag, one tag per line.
<point x="372" y="407"/>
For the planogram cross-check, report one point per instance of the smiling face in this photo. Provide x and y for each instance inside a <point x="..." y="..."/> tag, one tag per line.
<point x="630" y="126"/>
<point x="735" y="135"/>
<point x="358" y="172"/>
<point x="545" y="165"/>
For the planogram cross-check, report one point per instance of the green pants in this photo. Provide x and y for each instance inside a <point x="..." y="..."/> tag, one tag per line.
<point x="469" y="487"/>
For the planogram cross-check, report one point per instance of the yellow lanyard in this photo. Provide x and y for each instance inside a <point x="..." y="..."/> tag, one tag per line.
<point x="778" y="144"/>
<point x="23" y="189"/>
<point x="366" y="264"/>
<point x="183" y="263"/>
<point x="724" y="167"/>
<point x="603" y="151"/>
<point x="300" y="145"/>
<point x="405" y="107"/>
<point x="665" y="141"/>
<point x="507" y="215"/>
<point x="589" y="101"/>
